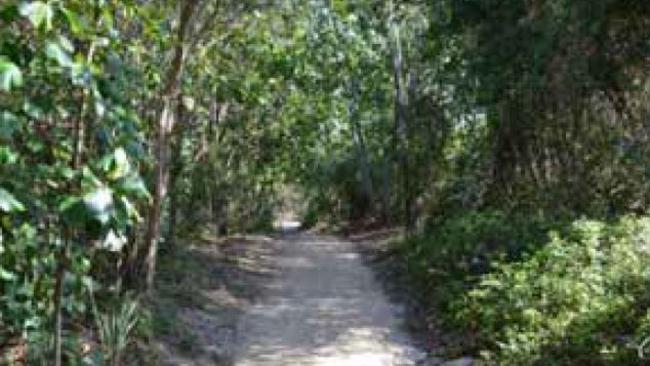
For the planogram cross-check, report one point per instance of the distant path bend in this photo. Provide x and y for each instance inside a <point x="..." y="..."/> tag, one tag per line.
<point x="325" y="308"/>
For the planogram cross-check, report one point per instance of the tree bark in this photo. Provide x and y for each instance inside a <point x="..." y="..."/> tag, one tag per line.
<point x="362" y="153"/>
<point x="401" y="128"/>
<point x="164" y="128"/>
<point x="176" y="169"/>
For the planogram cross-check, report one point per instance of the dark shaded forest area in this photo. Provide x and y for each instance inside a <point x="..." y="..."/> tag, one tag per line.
<point x="508" y="139"/>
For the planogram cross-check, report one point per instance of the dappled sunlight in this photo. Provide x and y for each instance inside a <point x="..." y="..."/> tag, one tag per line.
<point x="201" y="306"/>
<point x="488" y="163"/>
<point x="287" y="225"/>
<point x="325" y="308"/>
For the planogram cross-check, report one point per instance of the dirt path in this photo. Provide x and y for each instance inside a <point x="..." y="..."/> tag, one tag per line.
<point x="323" y="308"/>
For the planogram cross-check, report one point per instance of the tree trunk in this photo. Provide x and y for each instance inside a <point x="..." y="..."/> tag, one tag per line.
<point x="401" y="129"/>
<point x="176" y="168"/>
<point x="58" y="306"/>
<point x="362" y="157"/>
<point x="362" y="154"/>
<point x="163" y="131"/>
<point x="386" y="191"/>
<point x="160" y="191"/>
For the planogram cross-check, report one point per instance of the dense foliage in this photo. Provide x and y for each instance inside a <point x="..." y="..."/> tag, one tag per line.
<point x="524" y="291"/>
<point x="509" y="138"/>
<point x="582" y="298"/>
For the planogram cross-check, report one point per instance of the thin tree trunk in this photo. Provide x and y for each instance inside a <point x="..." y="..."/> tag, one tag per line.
<point x="58" y="308"/>
<point x="362" y="156"/>
<point x="362" y="152"/>
<point x="160" y="191"/>
<point x="386" y="191"/>
<point x="401" y="105"/>
<point x="176" y="168"/>
<point x="164" y="128"/>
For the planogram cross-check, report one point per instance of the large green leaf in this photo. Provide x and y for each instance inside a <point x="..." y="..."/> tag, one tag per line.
<point x="38" y="13"/>
<point x="89" y="180"/>
<point x="114" y="242"/>
<point x="58" y="52"/>
<point x="126" y="211"/>
<point x="77" y="25"/>
<point x="10" y="74"/>
<point x="5" y="275"/>
<point x="8" y="125"/>
<point x="117" y="164"/>
<point x="99" y="204"/>
<point x="92" y="212"/>
<point x="7" y="155"/>
<point x="132" y="185"/>
<point x="9" y="203"/>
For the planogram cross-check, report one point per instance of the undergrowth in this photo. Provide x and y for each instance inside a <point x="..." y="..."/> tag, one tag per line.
<point x="528" y="291"/>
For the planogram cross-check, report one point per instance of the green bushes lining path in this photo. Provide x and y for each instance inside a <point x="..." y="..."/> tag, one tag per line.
<point x="535" y="293"/>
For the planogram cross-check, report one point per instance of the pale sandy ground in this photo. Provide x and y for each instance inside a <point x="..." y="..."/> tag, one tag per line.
<point x="324" y="308"/>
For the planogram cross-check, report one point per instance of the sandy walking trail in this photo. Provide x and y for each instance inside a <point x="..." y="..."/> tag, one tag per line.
<point x="324" y="308"/>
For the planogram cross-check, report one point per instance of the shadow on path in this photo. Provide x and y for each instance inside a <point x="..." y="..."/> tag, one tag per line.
<point x="203" y="290"/>
<point x="324" y="308"/>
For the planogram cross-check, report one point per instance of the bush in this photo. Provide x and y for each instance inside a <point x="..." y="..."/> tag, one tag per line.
<point x="530" y="291"/>
<point x="580" y="299"/>
<point x="447" y="260"/>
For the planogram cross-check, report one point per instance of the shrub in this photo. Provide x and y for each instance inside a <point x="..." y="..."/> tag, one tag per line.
<point x="580" y="299"/>
<point x="447" y="260"/>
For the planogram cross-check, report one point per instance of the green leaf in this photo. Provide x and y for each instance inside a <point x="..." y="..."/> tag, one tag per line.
<point x="6" y="275"/>
<point x="8" y="203"/>
<point x="114" y="242"/>
<point x="73" y="211"/>
<point x="120" y="166"/>
<point x="34" y="109"/>
<point x="9" y="13"/>
<point x="8" y="125"/>
<point x="76" y="23"/>
<point x="65" y="44"/>
<point x="133" y="185"/>
<point x="127" y="211"/>
<point x="38" y="13"/>
<point x="57" y="52"/>
<point x="99" y="204"/>
<point x="10" y="74"/>
<point x="89" y="180"/>
<point x="7" y="155"/>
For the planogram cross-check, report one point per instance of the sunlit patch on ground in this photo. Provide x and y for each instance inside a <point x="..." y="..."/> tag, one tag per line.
<point x="323" y="309"/>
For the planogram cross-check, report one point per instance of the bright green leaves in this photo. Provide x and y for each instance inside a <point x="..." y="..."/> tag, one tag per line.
<point x="59" y="51"/>
<point x="10" y="74"/>
<point x="93" y="209"/>
<point x="114" y="242"/>
<point x="124" y="179"/>
<point x="99" y="204"/>
<point x="132" y="185"/>
<point x="117" y="164"/>
<point x="50" y="84"/>
<point x="8" y="203"/>
<point x="40" y="14"/>
<point x="77" y="25"/>
<point x="8" y="125"/>
<point x="6" y="275"/>
<point x="7" y="156"/>
<point x="104" y="209"/>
